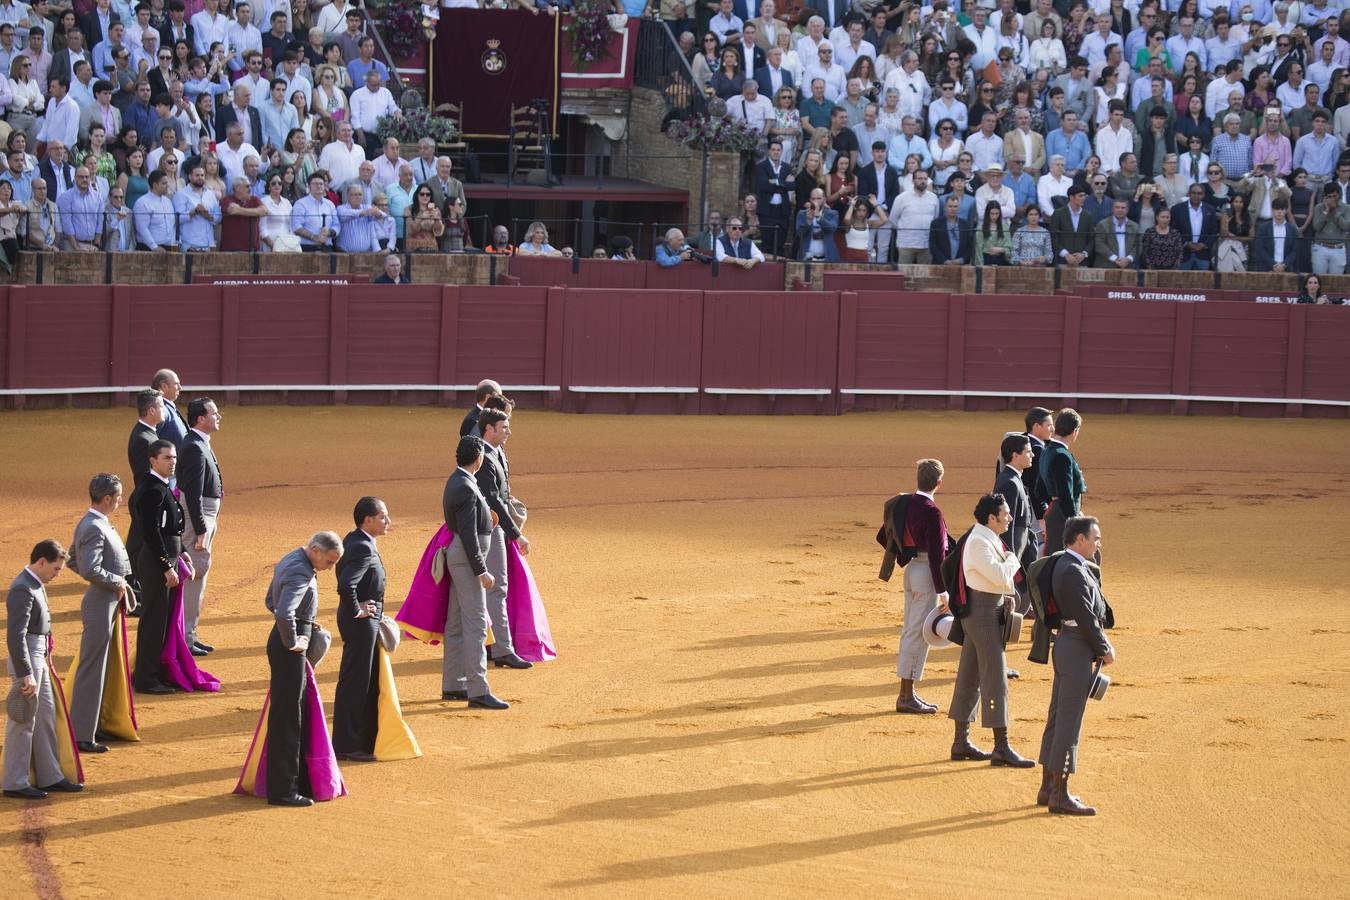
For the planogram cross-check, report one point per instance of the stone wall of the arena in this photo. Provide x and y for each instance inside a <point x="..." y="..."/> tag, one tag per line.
<point x="675" y="349"/>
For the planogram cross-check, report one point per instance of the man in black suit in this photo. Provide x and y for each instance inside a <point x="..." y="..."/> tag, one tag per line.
<point x="752" y="57"/>
<point x="1015" y="451"/>
<point x="63" y="61"/>
<point x="1071" y="230"/>
<point x="1082" y="641"/>
<point x="464" y="668"/>
<point x="772" y="77"/>
<point x="160" y="518"/>
<point x="775" y="207"/>
<point x="360" y="585"/>
<point x="177" y="27"/>
<point x="96" y="24"/>
<point x="200" y="484"/>
<point x="1199" y="229"/>
<point x="832" y="11"/>
<point x="486" y="388"/>
<point x="1040" y="423"/>
<point x="879" y="184"/>
<point x="239" y="110"/>
<point x="56" y="170"/>
<point x="492" y="482"/>
<point x="951" y="239"/>
<point x="149" y="412"/>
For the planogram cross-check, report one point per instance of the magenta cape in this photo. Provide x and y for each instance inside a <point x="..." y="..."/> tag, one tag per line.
<point x="176" y="661"/>
<point x="319" y="760"/>
<point x="423" y="613"/>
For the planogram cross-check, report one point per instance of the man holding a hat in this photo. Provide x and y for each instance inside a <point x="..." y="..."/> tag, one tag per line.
<point x="1081" y="643"/>
<point x="30" y="730"/>
<point x="982" y="600"/>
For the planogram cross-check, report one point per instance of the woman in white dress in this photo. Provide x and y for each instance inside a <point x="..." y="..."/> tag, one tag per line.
<point x="1108" y="88"/>
<point x="275" y="227"/>
<point x="1047" y="51"/>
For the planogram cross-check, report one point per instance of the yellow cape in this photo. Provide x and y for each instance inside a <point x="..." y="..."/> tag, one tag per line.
<point x="393" y="738"/>
<point x="117" y="715"/>
<point x="66" y="751"/>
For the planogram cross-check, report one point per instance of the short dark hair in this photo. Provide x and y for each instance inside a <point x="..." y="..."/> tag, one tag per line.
<point x="878" y="145"/>
<point x="197" y="409"/>
<point x="500" y="401"/>
<point x="1012" y="445"/>
<point x="157" y="176"/>
<point x="468" y="449"/>
<point x="159" y="447"/>
<point x="490" y="417"/>
<point x="1067" y="421"/>
<point x="1035" y="416"/>
<point x="1076" y="527"/>
<point x="146" y="399"/>
<point x="103" y="485"/>
<point x="365" y="508"/>
<point x="987" y="506"/>
<point x="100" y="86"/>
<point x="49" y="550"/>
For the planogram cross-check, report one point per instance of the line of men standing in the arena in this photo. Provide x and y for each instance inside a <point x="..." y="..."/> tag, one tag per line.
<point x="982" y="582"/>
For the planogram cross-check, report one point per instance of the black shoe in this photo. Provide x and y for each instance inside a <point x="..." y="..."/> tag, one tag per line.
<point x="512" y="662"/>
<point x="197" y="651"/>
<point x="487" y="701"/>
<point x="1007" y="756"/>
<point x="357" y="757"/>
<point x="454" y="695"/>
<point x="968" y="752"/>
<point x="28" y="793"/>
<point x="202" y="645"/>
<point x="64" y="786"/>
<point x="156" y="688"/>
<point x="92" y="747"/>
<point x="292" y="800"/>
<point x="102" y="737"/>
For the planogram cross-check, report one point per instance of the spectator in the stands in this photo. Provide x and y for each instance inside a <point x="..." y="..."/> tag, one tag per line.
<point x="365" y="63"/>
<point x="392" y="272"/>
<point x="314" y="217"/>
<point x="751" y="108"/>
<point x="241" y="215"/>
<point x="672" y="251"/>
<point x="501" y="241"/>
<point x="356" y="217"/>
<point x="276" y="116"/>
<point x="154" y="217"/>
<point x="42" y="233"/>
<point x="734" y="248"/>
<point x="536" y="235"/>
<point x="198" y="211"/>
<point x="342" y="159"/>
<point x="81" y="214"/>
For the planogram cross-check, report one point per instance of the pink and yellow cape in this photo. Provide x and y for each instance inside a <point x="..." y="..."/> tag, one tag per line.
<point x="319" y="760"/>
<point x="423" y="613"/>
<point x="117" y="714"/>
<point x="66" y="751"/>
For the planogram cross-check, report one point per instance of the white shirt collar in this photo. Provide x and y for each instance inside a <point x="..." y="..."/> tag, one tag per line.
<point x="926" y="494"/>
<point x="35" y="576"/>
<point x="146" y="424"/>
<point x="369" y="535"/>
<point x="1075" y="554"/>
<point x="206" y="437"/>
<point x="1056" y="440"/>
<point x="97" y="512"/>
<point x="159" y="476"/>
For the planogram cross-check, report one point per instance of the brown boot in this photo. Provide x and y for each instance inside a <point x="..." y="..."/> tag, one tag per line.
<point x="1065" y="804"/>
<point x="908" y="703"/>
<point x="1043" y="795"/>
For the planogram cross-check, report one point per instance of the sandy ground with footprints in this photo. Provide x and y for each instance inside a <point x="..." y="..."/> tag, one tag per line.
<point x="720" y="719"/>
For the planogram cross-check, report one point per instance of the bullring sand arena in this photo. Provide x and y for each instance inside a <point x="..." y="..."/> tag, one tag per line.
<point x="719" y="721"/>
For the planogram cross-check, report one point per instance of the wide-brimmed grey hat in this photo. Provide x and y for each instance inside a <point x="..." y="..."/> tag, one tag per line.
<point x="390" y="634"/>
<point x="21" y="709"/>
<point x="1012" y="627"/>
<point x="1100" y="682"/>
<point x="937" y="626"/>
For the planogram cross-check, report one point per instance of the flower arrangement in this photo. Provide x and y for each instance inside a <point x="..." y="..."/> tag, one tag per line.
<point x="403" y="27"/>
<point x="416" y="124"/>
<point x="709" y="133"/>
<point x="590" y="32"/>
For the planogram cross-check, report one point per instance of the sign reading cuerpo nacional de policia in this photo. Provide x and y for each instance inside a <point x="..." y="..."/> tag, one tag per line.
<point x="491" y="60"/>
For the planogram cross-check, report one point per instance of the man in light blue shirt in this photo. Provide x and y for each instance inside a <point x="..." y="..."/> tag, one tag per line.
<point x="62" y="123"/>
<point x="198" y="212"/>
<point x="314" y="218"/>
<point x="1316" y="152"/>
<point x="117" y="233"/>
<point x="358" y="68"/>
<point x="103" y="53"/>
<point x="81" y="209"/>
<point x="154" y="217"/>
<point x="1185" y="41"/>
<point x="906" y="142"/>
<point x="673" y="250"/>
<point x="1067" y="141"/>
<point x="278" y="116"/>
<point x="356" y="234"/>
<point x="19" y="176"/>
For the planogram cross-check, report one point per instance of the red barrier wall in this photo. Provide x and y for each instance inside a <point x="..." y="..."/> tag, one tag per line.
<point x="606" y="350"/>
<point x="602" y="273"/>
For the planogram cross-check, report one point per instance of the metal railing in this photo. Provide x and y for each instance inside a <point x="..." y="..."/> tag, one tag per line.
<point x="661" y="67"/>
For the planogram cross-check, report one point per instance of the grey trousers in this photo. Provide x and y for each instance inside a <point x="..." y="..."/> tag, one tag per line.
<point x="195" y="589"/>
<point x="98" y="610"/>
<point x="464" y="666"/>
<point x="33" y="744"/>
<point x="920" y="598"/>
<point x="495" y="557"/>
<point x="1073" y="659"/>
<point x="982" y="673"/>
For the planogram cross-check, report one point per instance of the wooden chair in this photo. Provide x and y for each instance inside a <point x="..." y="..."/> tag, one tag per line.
<point x="527" y="146"/>
<point x="456" y="149"/>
